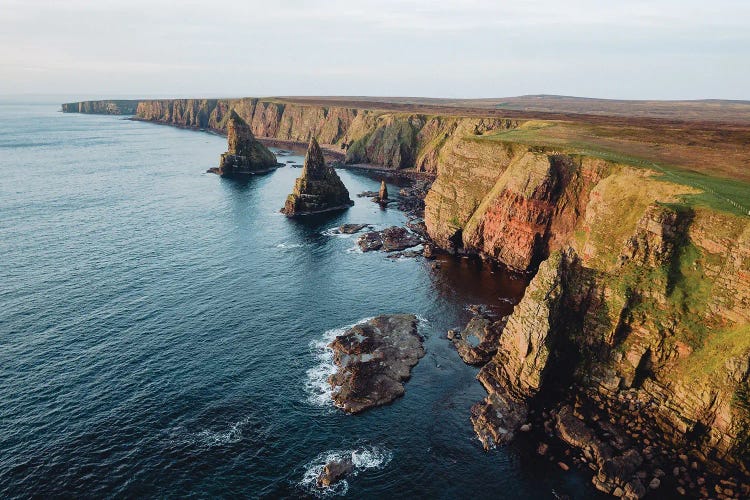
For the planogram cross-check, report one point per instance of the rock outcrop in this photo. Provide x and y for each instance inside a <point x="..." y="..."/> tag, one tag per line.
<point x="318" y="189"/>
<point x="334" y="471"/>
<point x="244" y="155"/>
<point x="391" y="239"/>
<point x="383" y="193"/>
<point x="374" y="359"/>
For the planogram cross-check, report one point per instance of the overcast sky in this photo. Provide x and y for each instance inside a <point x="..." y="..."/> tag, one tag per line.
<point x="664" y="49"/>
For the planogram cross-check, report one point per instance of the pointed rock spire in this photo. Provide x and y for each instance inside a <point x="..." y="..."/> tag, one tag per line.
<point x="383" y="194"/>
<point x="245" y="155"/>
<point x="318" y="189"/>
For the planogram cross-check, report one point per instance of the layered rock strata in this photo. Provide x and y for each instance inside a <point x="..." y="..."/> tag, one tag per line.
<point x="373" y="361"/>
<point x="318" y="189"/>
<point x="244" y="154"/>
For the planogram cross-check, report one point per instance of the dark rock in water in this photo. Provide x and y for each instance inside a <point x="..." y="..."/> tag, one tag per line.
<point x="391" y="239"/>
<point x="318" y="189"/>
<point x="374" y="358"/>
<point x="351" y="228"/>
<point x="477" y="343"/>
<point x="409" y="254"/>
<point x="244" y="155"/>
<point x="412" y="199"/>
<point x="418" y="226"/>
<point x="334" y="471"/>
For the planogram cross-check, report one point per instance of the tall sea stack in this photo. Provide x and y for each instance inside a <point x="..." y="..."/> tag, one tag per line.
<point x="383" y="194"/>
<point x="245" y="155"/>
<point x="318" y="189"/>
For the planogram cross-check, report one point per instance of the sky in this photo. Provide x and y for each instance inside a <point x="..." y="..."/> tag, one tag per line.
<point x="655" y="49"/>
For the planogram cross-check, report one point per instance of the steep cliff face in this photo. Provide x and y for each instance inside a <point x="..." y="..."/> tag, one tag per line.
<point x="111" y="107"/>
<point x="646" y="295"/>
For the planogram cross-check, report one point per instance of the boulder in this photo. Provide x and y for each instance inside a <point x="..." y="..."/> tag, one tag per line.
<point x="334" y="471"/>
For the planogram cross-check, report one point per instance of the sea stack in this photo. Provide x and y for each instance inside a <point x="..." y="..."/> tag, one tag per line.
<point x="245" y="155"/>
<point x="383" y="194"/>
<point x="318" y="189"/>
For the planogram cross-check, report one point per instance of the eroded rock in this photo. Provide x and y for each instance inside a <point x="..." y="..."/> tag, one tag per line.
<point x="318" y="189"/>
<point x="392" y="239"/>
<point x="244" y="155"/>
<point x="374" y="359"/>
<point x="334" y="471"/>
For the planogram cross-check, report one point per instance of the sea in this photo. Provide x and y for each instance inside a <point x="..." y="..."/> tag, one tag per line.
<point x="164" y="331"/>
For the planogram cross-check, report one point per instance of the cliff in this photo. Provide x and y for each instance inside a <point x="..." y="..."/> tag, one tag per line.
<point x="641" y="272"/>
<point x="380" y="137"/>
<point x="640" y="290"/>
<point x="244" y="155"/>
<point x="110" y="107"/>
<point x="318" y="188"/>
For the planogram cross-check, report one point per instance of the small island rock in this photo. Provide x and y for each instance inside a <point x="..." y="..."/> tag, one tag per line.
<point x="334" y="471"/>
<point x="373" y="359"/>
<point x="245" y="155"/>
<point x="318" y="189"/>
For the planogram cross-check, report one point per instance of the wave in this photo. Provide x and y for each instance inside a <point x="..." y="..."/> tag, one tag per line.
<point x="316" y="385"/>
<point x="208" y="438"/>
<point x="363" y="458"/>
<point x="287" y="246"/>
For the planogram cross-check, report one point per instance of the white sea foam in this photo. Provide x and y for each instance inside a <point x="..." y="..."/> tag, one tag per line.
<point x="354" y="249"/>
<point x="363" y="458"/>
<point x="316" y="385"/>
<point x="210" y="438"/>
<point x="287" y="246"/>
<point x="334" y="232"/>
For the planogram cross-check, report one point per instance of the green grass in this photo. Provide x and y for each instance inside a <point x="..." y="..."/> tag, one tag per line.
<point x="720" y="344"/>
<point x="727" y="195"/>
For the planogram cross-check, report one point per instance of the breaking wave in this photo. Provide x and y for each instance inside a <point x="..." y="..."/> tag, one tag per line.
<point x="363" y="458"/>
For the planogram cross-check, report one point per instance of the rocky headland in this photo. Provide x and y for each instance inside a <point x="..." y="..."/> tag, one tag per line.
<point x="373" y="361"/>
<point x="629" y="354"/>
<point x="318" y="188"/>
<point x="245" y="155"/>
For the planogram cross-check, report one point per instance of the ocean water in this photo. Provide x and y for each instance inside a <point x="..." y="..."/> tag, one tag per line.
<point x="163" y="330"/>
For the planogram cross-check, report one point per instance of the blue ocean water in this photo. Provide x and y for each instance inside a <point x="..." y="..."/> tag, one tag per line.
<point x="162" y="330"/>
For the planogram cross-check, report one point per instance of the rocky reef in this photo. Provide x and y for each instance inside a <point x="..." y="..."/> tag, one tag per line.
<point x="318" y="189"/>
<point x="374" y="359"/>
<point x="391" y="239"/>
<point x="244" y="154"/>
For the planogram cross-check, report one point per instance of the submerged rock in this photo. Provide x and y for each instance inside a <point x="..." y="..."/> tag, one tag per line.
<point x="351" y="228"/>
<point x="244" y="155"/>
<point x="374" y="358"/>
<point x="334" y="471"/>
<point x="392" y="239"/>
<point x="318" y="189"/>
